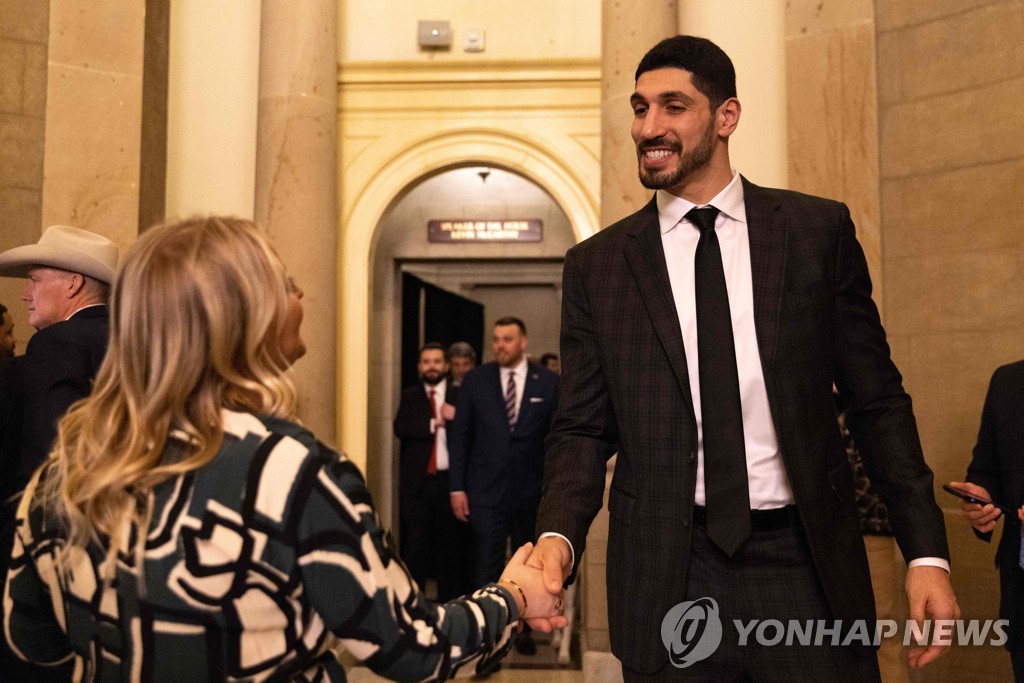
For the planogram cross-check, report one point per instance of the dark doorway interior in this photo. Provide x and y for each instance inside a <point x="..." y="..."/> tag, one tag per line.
<point x="432" y="314"/>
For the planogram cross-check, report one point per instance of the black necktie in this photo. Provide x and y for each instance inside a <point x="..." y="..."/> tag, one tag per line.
<point x="725" y="460"/>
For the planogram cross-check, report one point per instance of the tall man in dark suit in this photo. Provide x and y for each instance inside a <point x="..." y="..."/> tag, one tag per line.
<point x="69" y="272"/>
<point x="997" y="473"/>
<point x="434" y="543"/>
<point x="701" y="346"/>
<point x="497" y="447"/>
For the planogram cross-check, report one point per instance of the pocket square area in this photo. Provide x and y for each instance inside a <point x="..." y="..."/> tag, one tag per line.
<point x="536" y="399"/>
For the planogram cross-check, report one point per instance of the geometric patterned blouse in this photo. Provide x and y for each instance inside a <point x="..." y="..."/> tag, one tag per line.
<point x="259" y="566"/>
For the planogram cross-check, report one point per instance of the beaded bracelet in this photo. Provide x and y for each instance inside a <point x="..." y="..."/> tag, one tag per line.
<point x="521" y="593"/>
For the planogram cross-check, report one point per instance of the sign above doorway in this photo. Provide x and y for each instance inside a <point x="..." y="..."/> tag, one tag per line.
<point x="524" y="230"/>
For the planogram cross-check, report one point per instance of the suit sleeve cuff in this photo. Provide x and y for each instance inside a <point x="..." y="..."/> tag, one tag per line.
<point x="929" y="562"/>
<point x="572" y="553"/>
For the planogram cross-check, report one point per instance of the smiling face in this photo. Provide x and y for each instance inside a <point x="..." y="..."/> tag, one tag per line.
<point x="432" y="366"/>
<point x="676" y="133"/>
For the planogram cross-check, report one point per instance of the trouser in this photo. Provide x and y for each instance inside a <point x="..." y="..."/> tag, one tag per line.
<point x="770" y="578"/>
<point x="492" y="527"/>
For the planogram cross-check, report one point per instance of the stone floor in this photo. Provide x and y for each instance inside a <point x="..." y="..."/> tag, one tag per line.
<point x="541" y="667"/>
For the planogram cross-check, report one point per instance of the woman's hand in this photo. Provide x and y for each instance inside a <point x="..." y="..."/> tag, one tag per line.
<point x="527" y="587"/>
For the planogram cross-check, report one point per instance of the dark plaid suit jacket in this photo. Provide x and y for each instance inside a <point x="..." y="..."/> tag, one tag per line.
<point x="625" y="389"/>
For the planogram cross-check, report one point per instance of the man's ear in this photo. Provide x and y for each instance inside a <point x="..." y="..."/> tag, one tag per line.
<point x="728" y="116"/>
<point x="74" y="285"/>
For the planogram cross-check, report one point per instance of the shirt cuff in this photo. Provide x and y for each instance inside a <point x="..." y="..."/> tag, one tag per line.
<point x="929" y="562"/>
<point x="572" y="553"/>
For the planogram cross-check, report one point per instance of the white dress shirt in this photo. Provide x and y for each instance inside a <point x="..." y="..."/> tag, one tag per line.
<point x="766" y="474"/>
<point x="437" y="425"/>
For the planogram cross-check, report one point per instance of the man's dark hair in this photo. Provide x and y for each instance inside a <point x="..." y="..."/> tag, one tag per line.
<point x="3" y="309"/>
<point x="713" y="72"/>
<point x="433" y="346"/>
<point x="546" y="357"/>
<point x="511" y="320"/>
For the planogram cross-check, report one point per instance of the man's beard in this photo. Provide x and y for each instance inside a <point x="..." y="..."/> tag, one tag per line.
<point x="432" y="378"/>
<point x="689" y="161"/>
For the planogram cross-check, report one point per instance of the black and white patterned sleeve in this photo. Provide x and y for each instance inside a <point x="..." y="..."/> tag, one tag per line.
<point x="356" y="582"/>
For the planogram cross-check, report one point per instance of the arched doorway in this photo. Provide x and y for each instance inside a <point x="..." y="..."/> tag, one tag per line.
<point x="573" y="187"/>
<point x="507" y="278"/>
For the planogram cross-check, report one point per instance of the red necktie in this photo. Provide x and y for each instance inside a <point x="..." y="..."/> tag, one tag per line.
<point x="432" y="463"/>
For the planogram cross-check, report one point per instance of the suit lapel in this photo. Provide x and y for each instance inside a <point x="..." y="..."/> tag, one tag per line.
<point x="767" y="234"/>
<point x="646" y="258"/>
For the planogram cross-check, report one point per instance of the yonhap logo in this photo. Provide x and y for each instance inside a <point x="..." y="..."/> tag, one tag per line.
<point x="691" y="631"/>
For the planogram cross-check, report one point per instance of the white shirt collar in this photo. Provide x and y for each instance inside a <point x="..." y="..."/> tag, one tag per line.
<point x="729" y="201"/>
<point x="519" y="368"/>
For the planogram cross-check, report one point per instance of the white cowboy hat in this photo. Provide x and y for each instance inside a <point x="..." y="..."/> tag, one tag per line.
<point x="67" y="248"/>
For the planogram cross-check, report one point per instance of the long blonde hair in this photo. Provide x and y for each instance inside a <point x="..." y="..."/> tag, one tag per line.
<point x="196" y="316"/>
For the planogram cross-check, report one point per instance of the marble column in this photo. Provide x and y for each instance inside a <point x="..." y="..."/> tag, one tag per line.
<point x="753" y="34"/>
<point x="296" y="181"/>
<point x="213" y="78"/>
<point x="629" y="29"/>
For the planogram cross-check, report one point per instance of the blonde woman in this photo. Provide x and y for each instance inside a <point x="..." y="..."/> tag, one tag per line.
<point x="185" y="528"/>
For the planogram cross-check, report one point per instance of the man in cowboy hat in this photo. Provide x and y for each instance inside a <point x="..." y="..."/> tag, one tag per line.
<point x="69" y="273"/>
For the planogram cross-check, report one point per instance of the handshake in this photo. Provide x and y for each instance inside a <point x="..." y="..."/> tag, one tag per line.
<point x="535" y="576"/>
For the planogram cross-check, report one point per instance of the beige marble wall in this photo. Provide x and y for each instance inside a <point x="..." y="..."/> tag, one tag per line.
<point x="752" y="34"/>
<point x="951" y="154"/>
<point x="296" y="160"/>
<point x="94" y="116"/>
<point x="833" y="113"/>
<point x="24" y="33"/>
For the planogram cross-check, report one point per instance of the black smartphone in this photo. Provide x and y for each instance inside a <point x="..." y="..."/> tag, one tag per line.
<point x="960" y="493"/>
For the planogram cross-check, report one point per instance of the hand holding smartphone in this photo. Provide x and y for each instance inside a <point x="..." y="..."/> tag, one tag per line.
<point x="970" y="498"/>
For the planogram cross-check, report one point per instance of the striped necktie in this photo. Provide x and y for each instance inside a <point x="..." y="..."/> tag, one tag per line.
<point x="510" y="400"/>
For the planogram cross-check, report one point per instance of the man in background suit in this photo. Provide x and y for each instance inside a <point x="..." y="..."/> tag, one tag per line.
<point x="10" y="415"/>
<point x="997" y="473"/>
<point x="497" y="448"/>
<point x="731" y="480"/>
<point x="461" y="359"/>
<point x="69" y="272"/>
<point x="496" y="444"/>
<point x="434" y="543"/>
<point x="8" y="342"/>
